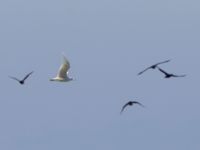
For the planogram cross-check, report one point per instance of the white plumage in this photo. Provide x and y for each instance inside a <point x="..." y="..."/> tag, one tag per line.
<point x="62" y="75"/>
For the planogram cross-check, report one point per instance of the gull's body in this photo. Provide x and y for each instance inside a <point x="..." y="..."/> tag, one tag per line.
<point x="62" y="75"/>
<point x="130" y="103"/>
<point x="153" y="66"/>
<point x="23" y="80"/>
<point x="169" y="75"/>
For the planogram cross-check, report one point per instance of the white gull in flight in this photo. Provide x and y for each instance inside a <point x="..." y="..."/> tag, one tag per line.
<point x="62" y="75"/>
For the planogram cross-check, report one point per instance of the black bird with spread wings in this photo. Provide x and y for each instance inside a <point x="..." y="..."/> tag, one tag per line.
<point x="169" y="75"/>
<point x="23" y="80"/>
<point x="153" y="66"/>
<point x="130" y="103"/>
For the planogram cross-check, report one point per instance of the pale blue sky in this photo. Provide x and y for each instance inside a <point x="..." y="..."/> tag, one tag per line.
<point x="107" y="42"/>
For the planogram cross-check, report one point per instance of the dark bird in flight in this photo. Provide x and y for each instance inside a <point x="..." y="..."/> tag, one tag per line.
<point x="169" y="75"/>
<point x="130" y="103"/>
<point x="23" y="80"/>
<point x="153" y="66"/>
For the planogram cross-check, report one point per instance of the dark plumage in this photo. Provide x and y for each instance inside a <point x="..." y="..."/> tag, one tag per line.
<point x="23" y="80"/>
<point x="153" y="66"/>
<point x="169" y="75"/>
<point x="130" y="103"/>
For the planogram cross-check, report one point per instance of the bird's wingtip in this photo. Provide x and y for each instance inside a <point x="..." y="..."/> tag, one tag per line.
<point x="64" y="58"/>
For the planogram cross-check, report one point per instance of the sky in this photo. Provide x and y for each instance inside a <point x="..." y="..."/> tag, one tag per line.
<point x="107" y="43"/>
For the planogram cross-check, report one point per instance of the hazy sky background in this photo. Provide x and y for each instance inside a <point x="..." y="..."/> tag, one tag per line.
<point x="107" y="42"/>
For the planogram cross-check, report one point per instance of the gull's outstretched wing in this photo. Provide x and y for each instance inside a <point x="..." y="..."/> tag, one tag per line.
<point x="163" y="71"/>
<point x="163" y="62"/>
<point x="153" y="66"/>
<point x="144" y="71"/>
<point x="124" y="107"/>
<point x="138" y="103"/>
<point x="27" y="76"/>
<point x="64" y="68"/>
<point x="178" y="75"/>
<point x="14" y="78"/>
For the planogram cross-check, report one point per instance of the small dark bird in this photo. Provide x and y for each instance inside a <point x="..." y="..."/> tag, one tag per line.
<point x="23" y="80"/>
<point x="130" y="103"/>
<point x="169" y="75"/>
<point x="153" y="66"/>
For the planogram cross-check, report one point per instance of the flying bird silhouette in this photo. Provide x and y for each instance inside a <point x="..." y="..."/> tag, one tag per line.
<point x="169" y="75"/>
<point x="62" y="75"/>
<point x="130" y="103"/>
<point x="23" y="80"/>
<point x="153" y="66"/>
